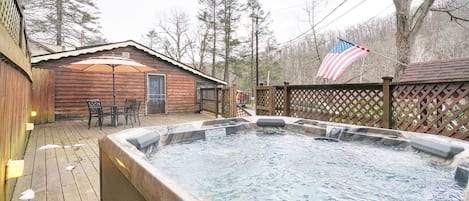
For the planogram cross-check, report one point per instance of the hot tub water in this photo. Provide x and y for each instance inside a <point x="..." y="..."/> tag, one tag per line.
<point x="249" y="166"/>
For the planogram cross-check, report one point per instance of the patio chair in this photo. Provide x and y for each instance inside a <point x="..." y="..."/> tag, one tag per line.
<point x="96" y="110"/>
<point x="127" y="110"/>
<point x="136" y="110"/>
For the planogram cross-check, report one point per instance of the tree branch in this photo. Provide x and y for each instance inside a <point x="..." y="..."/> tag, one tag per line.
<point x="419" y="15"/>
<point x="451" y="15"/>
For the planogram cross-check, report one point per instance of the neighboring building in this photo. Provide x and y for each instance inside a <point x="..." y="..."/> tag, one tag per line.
<point x="38" y="48"/>
<point x="61" y="93"/>
<point x="449" y="70"/>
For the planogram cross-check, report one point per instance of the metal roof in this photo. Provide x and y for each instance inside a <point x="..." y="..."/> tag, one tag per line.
<point x="454" y="69"/>
<point x="93" y="49"/>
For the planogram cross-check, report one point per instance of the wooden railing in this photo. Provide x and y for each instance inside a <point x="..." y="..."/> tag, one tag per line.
<point x="433" y="107"/>
<point x="11" y="17"/>
<point x="430" y="107"/>
<point x="221" y="101"/>
<point x="13" y="35"/>
<point x="15" y="91"/>
<point x="209" y="99"/>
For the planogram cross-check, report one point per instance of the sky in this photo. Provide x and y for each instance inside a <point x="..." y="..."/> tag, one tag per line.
<point x="130" y="20"/>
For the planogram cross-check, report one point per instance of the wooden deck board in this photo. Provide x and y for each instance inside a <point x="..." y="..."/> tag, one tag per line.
<point x="80" y="175"/>
<point x="45" y="170"/>
<point x="69" y="189"/>
<point x="53" y="184"/>
<point x="38" y="183"/>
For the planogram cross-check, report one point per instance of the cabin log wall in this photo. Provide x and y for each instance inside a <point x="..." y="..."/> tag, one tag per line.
<point x="72" y="87"/>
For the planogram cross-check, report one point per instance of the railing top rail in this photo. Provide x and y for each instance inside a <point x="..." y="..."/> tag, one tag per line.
<point x="265" y="87"/>
<point x="333" y="86"/>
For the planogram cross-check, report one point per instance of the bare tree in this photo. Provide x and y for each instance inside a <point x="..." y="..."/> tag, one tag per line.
<point x="407" y="28"/>
<point x="311" y="19"/>
<point x="455" y="9"/>
<point x="199" y="48"/>
<point x="151" y="39"/>
<point x="209" y="9"/>
<point x="174" y="35"/>
<point x="311" y="10"/>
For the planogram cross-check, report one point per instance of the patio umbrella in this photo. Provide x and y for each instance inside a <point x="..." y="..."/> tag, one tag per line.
<point x="110" y="64"/>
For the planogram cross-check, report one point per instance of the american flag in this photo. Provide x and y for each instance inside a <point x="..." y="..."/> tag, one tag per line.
<point x="339" y="58"/>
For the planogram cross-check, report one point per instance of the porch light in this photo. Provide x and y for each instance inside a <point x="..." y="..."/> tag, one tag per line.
<point x="33" y="113"/>
<point x="29" y="126"/>
<point x="14" y="169"/>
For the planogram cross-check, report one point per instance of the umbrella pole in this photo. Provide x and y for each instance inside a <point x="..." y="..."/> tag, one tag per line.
<point x="114" y="107"/>
<point x="113" y="87"/>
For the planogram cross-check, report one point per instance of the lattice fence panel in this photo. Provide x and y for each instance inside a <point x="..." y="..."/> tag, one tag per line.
<point x="279" y="99"/>
<point x="240" y="112"/>
<point x="263" y="102"/>
<point x="360" y="105"/>
<point x="10" y="18"/>
<point x="437" y="108"/>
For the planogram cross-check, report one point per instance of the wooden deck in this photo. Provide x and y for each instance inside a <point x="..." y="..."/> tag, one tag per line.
<point x="45" y="170"/>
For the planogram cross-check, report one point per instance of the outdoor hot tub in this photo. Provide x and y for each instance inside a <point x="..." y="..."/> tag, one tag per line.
<point x="280" y="158"/>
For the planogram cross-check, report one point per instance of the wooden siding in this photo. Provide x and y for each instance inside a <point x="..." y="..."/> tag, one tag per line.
<point x="180" y="93"/>
<point x="15" y="96"/>
<point x="43" y="96"/>
<point x="72" y="88"/>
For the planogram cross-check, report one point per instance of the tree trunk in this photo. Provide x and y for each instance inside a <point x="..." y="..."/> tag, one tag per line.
<point x="403" y="42"/>
<point x="407" y="28"/>
<point x="214" y="49"/>
<point x="58" y="23"/>
<point x="227" y="28"/>
<point x="251" y="72"/>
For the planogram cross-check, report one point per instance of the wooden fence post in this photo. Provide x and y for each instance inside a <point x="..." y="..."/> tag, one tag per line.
<point x="286" y="99"/>
<point x="387" y="104"/>
<point x="201" y="106"/>
<point x="233" y="101"/>
<point x="216" y="102"/>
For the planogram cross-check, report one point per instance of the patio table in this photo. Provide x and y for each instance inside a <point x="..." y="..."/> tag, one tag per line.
<point x="114" y="114"/>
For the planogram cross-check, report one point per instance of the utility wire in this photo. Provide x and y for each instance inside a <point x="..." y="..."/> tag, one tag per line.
<point x="335" y="19"/>
<point x="330" y="13"/>
<point x="343" y="14"/>
<point x="380" y="12"/>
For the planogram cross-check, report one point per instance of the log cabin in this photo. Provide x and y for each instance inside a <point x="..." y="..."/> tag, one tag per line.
<point x="61" y="93"/>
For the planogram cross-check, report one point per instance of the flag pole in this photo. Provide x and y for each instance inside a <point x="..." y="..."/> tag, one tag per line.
<point x="379" y="54"/>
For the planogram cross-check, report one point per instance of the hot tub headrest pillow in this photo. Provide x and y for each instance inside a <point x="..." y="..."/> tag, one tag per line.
<point x="270" y="122"/>
<point x="435" y="147"/>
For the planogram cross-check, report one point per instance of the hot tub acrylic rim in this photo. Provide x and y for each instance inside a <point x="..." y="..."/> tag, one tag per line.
<point x="138" y="168"/>
<point x="407" y="135"/>
<point x="118" y="140"/>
